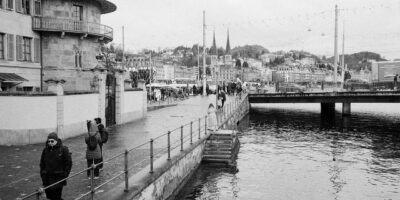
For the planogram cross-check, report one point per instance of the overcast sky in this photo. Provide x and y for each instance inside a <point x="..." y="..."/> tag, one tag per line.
<point x="370" y="25"/>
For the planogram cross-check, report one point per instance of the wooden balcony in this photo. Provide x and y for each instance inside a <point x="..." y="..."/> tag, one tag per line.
<point x="70" y="26"/>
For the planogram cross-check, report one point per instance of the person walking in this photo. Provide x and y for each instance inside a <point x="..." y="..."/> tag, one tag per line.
<point x="223" y="97"/>
<point x="395" y="82"/>
<point x="103" y="135"/>
<point x="93" y="150"/>
<point x="55" y="165"/>
<point x="212" y="123"/>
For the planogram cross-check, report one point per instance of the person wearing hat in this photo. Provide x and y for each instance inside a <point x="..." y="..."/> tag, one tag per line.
<point x="55" y="165"/>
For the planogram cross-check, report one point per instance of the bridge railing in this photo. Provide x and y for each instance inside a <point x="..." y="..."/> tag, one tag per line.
<point x="313" y="94"/>
<point x="129" y="162"/>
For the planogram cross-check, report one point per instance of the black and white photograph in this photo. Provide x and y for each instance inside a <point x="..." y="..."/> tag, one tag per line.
<point x="199" y="100"/>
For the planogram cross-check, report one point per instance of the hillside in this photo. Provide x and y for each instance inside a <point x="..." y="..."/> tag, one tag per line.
<point x="249" y="51"/>
<point x="359" y="60"/>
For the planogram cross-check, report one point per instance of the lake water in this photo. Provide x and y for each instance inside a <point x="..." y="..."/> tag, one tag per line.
<point x="288" y="151"/>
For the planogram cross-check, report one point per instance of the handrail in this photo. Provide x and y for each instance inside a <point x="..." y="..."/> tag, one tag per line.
<point x="329" y="94"/>
<point x="200" y="126"/>
<point x="67" y="25"/>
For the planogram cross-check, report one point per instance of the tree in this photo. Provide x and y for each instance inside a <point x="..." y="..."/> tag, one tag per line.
<point x="238" y="64"/>
<point x="245" y="64"/>
<point x="143" y="74"/>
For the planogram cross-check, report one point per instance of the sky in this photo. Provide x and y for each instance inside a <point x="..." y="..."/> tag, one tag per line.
<point x="369" y="25"/>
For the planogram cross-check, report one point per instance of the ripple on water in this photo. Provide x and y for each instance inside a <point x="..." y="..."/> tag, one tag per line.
<point x="293" y="153"/>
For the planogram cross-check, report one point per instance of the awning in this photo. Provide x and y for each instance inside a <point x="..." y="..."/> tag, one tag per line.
<point x="11" y="77"/>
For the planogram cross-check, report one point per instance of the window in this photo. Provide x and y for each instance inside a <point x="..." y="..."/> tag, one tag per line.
<point x="27" y="49"/>
<point x="26" y="7"/>
<point x="78" y="59"/>
<point x="2" y="46"/>
<point x="24" y="51"/>
<point x="77" y="13"/>
<point x="37" y="6"/>
<point x="10" y="4"/>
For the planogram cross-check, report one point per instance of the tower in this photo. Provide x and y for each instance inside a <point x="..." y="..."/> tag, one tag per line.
<point x="214" y="52"/>
<point x="228" y="56"/>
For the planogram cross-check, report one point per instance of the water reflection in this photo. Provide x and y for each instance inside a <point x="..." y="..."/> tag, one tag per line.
<point x="292" y="152"/>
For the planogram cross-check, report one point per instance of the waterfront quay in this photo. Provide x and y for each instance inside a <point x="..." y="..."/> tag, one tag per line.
<point x="20" y="164"/>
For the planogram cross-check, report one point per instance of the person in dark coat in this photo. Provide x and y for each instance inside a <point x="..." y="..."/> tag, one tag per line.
<point x="93" y="156"/>
<point x="223" y="97"/>
<point x="55" y="165"/>
<point x="102" y="131"/>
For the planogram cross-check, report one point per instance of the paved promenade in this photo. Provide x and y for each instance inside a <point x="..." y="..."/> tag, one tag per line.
<point x="19" y="165"/>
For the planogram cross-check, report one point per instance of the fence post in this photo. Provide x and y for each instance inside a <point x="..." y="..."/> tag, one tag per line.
<point x="205" y="125"/>
<point x="92" y="181"/>
<point x="38" y="194"/>
<point x="191" y="132"/>
<point x="181" y="138"/>
<point x="169" y="145"/>
<point x="199" y="127"/>
<point x="126" y="170"/>
<point x="151" y="155"/>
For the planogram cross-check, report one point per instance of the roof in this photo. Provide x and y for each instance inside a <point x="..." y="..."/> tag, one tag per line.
<point x="106" y="6"/>
<point x="11" y="77"/>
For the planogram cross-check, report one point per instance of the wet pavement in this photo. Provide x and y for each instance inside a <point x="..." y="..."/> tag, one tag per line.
<point x="19" y="165"/>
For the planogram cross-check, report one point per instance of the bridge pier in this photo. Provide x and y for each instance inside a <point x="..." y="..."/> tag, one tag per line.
<point x="327" y="108"/>
<point x="346" y="109"/>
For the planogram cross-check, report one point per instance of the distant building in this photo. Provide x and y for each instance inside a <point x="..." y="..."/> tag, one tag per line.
<point x="384" y="70"/>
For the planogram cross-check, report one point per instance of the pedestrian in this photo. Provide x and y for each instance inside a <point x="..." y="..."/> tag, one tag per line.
<point x="55" y="165"/>
<point x="222" y="96"/>
<point x="212" y="123"/>
<point x="103" y="135"/>
<point x="395" y="82"/>
<point x="93" y="150"/>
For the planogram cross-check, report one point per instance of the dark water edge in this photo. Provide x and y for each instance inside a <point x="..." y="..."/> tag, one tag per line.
<point x="292" y="152"/>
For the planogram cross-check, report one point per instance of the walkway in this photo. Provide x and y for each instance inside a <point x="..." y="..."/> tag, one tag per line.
<point x="19" y="165"/>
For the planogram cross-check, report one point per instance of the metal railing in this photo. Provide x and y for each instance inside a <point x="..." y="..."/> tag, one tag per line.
<point x="165" y="144"/>
<point x="65" y="25"/>
<point x="319" y="94"/>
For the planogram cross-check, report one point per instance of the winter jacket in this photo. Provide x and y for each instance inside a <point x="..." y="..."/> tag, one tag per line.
<point x="96" y="153"/>
<point x="55" y="164"/>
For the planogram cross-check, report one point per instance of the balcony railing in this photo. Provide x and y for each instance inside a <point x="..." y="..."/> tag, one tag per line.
<point x="71" y="26"/>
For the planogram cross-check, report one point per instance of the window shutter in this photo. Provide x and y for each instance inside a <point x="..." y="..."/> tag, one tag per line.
<point x="19" y="48"/>
<point x="10" y="47"/>
<point x="18" y="6"/>
<point x="36" y="50"/>
<point x="10" y="4"/>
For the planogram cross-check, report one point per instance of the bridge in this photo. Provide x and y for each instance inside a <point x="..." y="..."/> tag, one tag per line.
<point x="328" y="99"/>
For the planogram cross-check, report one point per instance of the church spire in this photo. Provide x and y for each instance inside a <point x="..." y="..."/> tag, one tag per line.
<point x="214" y="47"/>
<point x="228" y="45"/>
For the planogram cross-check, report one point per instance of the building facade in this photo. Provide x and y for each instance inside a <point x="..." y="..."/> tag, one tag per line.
<point x="52" y="39"/>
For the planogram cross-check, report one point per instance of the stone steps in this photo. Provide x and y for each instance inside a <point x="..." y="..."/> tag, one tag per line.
<point x="219" y="147"/>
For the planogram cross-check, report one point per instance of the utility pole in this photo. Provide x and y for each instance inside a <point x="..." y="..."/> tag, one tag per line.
<point x="336" y="47"/>
<point x="150" y="74"/>
<point x="343" y="57"/>
<point x="204" y="54"/>
<point x="198" y="61"/>
<point x="123" y="46"/>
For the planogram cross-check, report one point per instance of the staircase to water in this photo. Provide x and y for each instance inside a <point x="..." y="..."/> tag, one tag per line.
<point x="221" y="147"/>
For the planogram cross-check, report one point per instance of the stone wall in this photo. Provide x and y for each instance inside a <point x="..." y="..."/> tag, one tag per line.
<point x="166" y="180"/>
<point x="62" y="9"/>
<point x="59" y="59"/>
